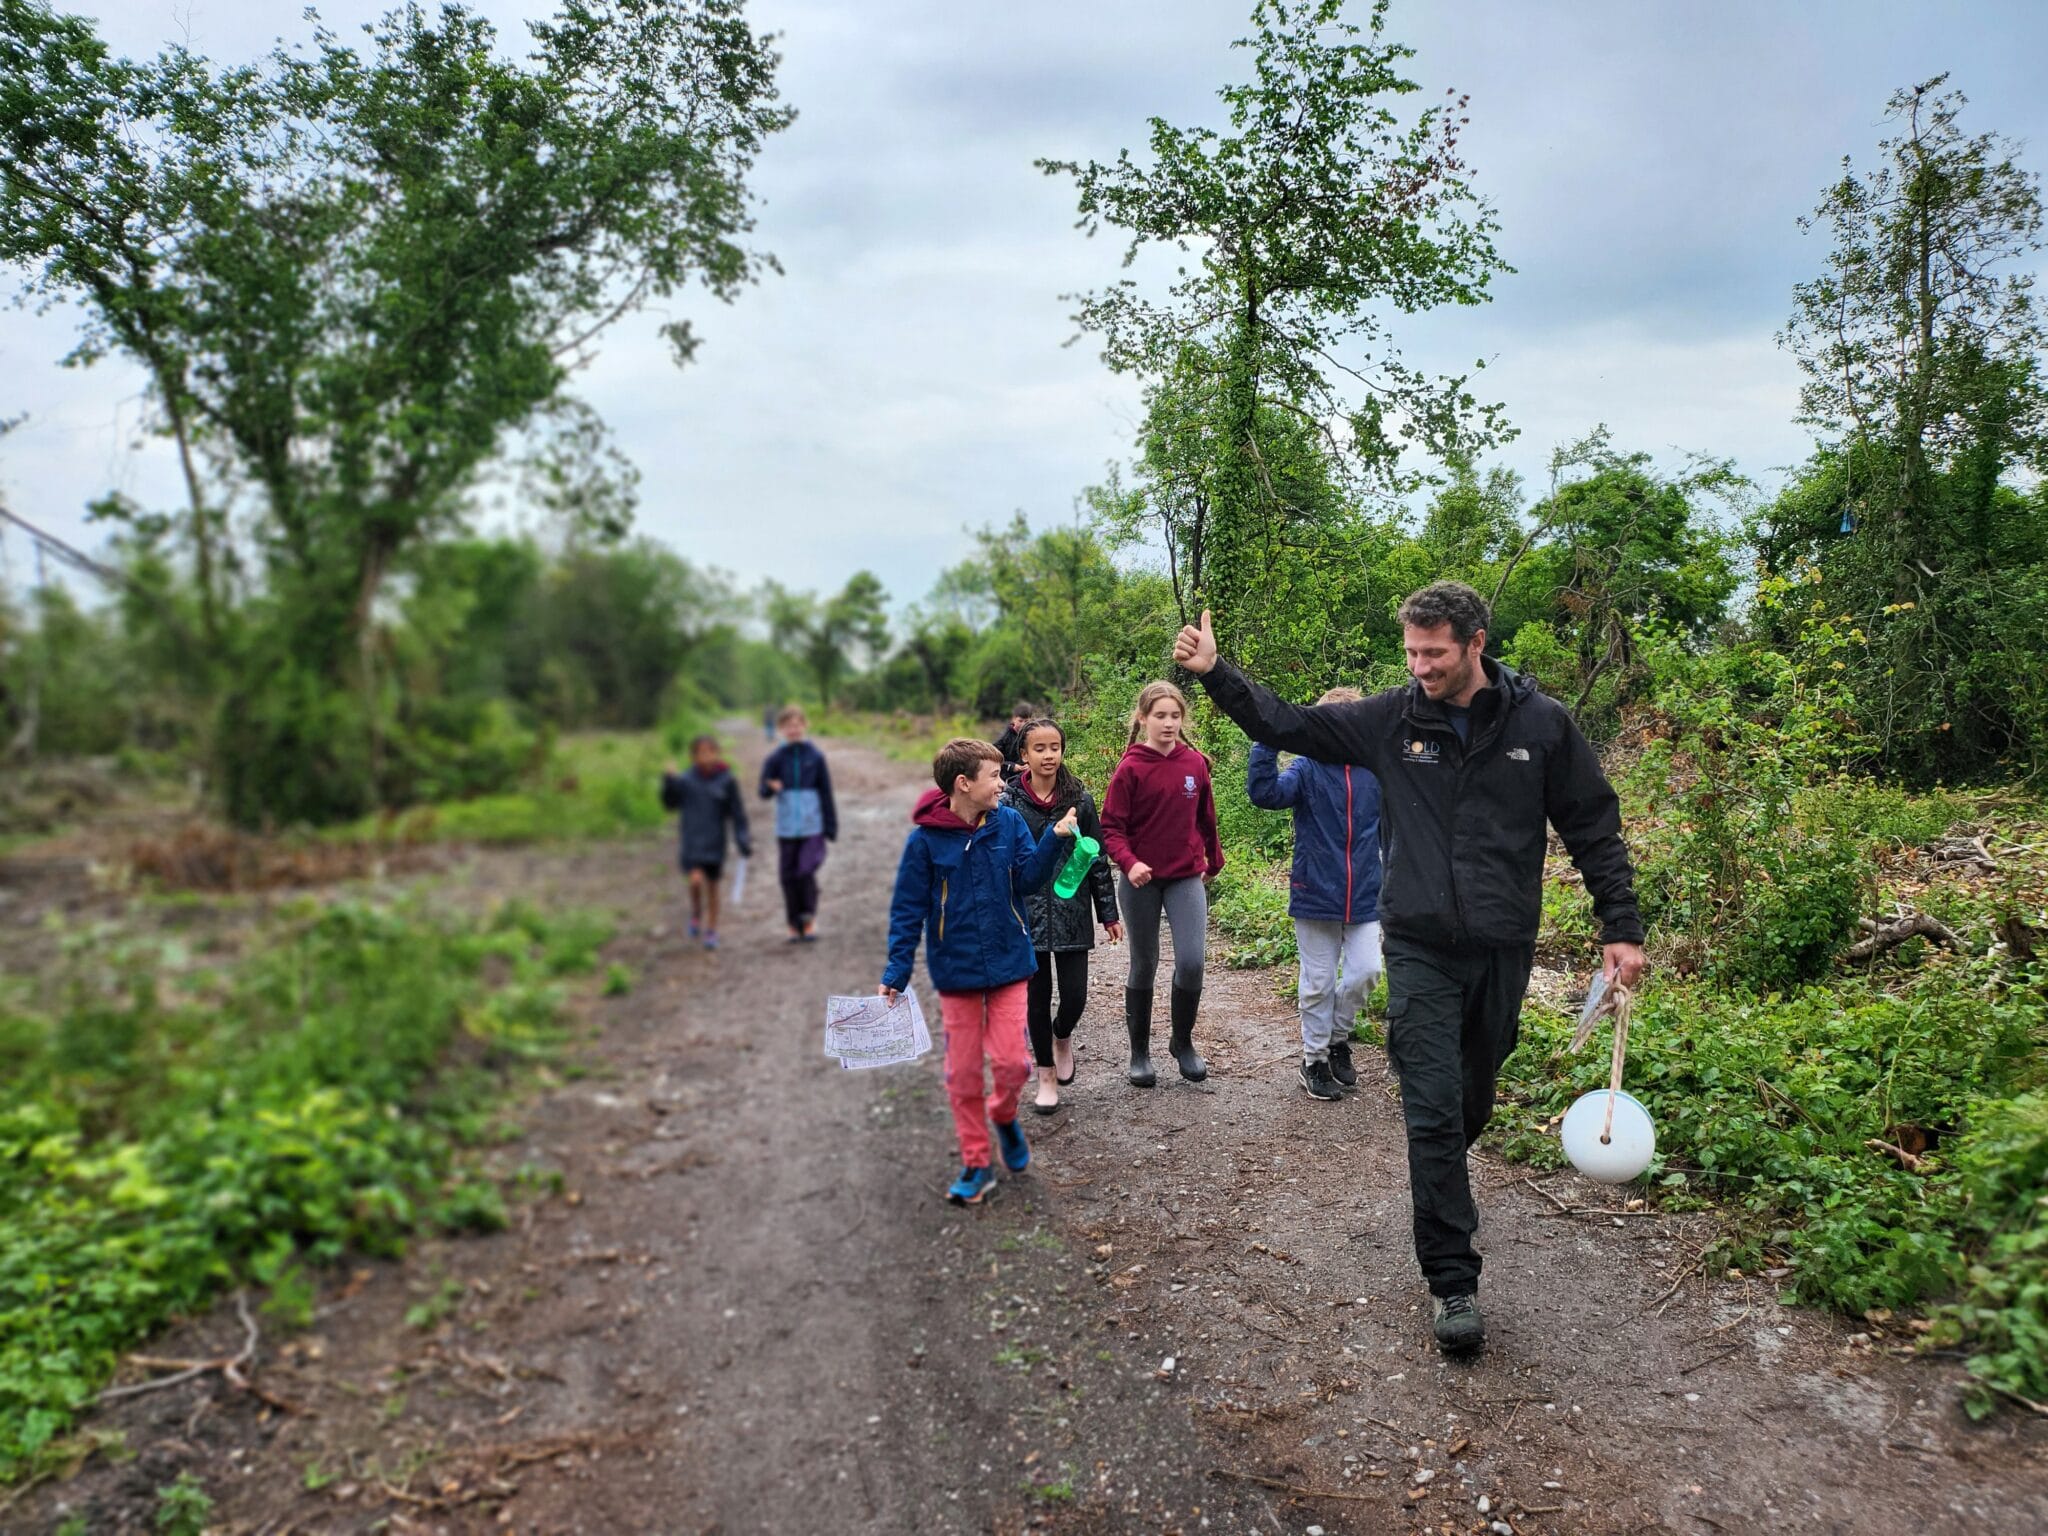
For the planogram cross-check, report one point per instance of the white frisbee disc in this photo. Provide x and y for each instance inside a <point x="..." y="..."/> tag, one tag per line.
<point x="1628" y="1149"/>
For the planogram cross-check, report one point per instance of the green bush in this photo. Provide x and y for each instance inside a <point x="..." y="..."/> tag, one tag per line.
<point x="1742" y="867"/>
<point x="1249" y="905"/>
<point x="1768" y="1105"/>
<point x="2002" y="1173"/>
<point x="158" y="1145"/>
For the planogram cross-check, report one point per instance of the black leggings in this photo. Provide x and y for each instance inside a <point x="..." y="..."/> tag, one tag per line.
<point x="1072" y="965"/>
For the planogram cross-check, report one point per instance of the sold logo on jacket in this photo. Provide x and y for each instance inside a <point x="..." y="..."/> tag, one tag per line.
<point x="1420" y="751"/>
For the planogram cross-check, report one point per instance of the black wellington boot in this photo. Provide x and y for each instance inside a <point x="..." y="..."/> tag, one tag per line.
<point x="1138" y="1020"/>
<point x="1182" y="1044"/>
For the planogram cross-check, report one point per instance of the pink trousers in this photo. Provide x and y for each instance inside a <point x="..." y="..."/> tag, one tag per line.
<point x="987" y="1023"/>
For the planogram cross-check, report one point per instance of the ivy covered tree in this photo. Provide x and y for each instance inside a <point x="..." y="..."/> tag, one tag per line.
<point x="353" y="275"/>
<point x="1922" y="346"/>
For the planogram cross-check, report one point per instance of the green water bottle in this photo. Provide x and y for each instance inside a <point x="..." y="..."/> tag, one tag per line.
<point x="1079" y="862"/>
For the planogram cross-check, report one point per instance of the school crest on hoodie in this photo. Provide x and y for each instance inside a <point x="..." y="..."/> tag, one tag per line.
<point x="1160" y="810"/>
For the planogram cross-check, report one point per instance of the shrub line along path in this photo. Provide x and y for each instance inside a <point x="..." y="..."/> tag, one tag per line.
<point x="740" y="1303"/>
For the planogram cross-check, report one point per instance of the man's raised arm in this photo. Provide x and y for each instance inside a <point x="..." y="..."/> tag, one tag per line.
<point x="1328" y="733"/>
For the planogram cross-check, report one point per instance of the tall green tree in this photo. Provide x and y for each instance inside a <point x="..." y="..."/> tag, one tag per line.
<point x="1298" y="229"/>
<point x="830" y="637"/>
<point x="1307" y="558"/>
<point x="1922" y="348"/>
<point x="353" y="276"/>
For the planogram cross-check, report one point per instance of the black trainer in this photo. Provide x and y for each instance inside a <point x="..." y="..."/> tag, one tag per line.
<point x="1460" y="1329"/>
<point x="1315" y="1077"/>
<point x="1340" y="1065"/>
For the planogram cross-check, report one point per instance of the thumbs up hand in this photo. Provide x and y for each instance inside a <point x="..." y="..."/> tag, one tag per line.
<point x="1195" y="648"/>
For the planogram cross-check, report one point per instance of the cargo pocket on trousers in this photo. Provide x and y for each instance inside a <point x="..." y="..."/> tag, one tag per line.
<point x="1397" y="1019"/>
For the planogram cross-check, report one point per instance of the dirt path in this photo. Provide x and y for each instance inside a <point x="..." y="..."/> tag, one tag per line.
<point x="746" y="1308"/>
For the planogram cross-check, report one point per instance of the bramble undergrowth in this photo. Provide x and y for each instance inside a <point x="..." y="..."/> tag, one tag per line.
<point x="170" y="1130"/>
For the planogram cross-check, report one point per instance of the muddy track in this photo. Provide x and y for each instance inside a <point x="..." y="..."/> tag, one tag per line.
<point x="738" y="1303"/>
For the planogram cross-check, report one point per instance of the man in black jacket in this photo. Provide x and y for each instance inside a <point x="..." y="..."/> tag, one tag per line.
<point x="1472" y="760"/>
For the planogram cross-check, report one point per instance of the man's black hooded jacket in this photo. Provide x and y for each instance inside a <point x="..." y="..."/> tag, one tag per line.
<point x="1461" y="830"/>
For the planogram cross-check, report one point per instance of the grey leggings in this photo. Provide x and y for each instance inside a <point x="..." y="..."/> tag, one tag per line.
<point x="1186" y="905"/>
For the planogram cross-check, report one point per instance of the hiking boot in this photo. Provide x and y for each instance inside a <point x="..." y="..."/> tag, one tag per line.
<point x="1182" y="1042"/>
<point x="1138" y="1020"/>
<point x="1016" y="1151"/>
<point x="1340" y="1065"/>
<point x="972" y="1185"/>
<point x="1315" y="1077"/>
<point x="1459" y="1328"/>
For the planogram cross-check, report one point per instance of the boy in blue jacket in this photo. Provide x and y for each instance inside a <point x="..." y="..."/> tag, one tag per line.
<point x="1333" y="898"/>
<point x="795" y="777"/>
<point x="966" y="868"/>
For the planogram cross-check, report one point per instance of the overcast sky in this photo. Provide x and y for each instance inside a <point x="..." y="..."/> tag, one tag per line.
<point x="906" y="378"/>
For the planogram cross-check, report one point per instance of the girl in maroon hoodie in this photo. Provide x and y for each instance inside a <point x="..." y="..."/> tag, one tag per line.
<point x="1159" y="825"/>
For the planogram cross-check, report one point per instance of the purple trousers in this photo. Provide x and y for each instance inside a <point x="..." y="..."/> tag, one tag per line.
<point x="800" y="860"/>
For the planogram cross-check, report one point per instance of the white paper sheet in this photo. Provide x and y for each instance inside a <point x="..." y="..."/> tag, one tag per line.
<point x="864" y="1031"/>
<point x="739" y="883"/>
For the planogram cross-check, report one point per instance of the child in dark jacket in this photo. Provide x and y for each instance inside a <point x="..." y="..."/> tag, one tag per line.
<point x="1333" y="897"/>
<point x="1011" y="742"/>
<point x="1159" y="825"/>
<point x="966" y="868"/>
<point x="1062" y="927"/>
<point x="796" y="779"/>
<point x="707" y="800"/>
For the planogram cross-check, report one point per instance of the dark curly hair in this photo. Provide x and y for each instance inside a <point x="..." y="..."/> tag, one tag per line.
<point x="1448" y="602"/>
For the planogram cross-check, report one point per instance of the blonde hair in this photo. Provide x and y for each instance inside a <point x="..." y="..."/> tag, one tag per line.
<point x="1148" y="696"/>
<point x="790" y="712"/>
<point x="1340" y="695"/>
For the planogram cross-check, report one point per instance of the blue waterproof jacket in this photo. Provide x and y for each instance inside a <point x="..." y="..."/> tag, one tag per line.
<point x="804" y="805"/>
<point x="1336" y="809"/>
<point x="965" y="887"/>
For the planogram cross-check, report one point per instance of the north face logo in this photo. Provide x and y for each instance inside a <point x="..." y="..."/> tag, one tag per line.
<point x="1519" y="754"/>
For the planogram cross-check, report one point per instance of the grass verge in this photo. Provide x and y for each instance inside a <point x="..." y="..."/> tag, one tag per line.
<point x="168" y="1130"/>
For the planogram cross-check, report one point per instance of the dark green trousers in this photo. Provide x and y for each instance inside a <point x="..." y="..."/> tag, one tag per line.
<point x="1453" y="1015"/>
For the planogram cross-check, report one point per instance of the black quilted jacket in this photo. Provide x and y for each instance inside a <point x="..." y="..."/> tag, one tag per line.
<point x="1065" y="922"/>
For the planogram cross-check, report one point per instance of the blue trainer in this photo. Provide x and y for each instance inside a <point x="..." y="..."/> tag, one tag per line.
<point x="972" y="1185"/>
<point x="1016" y="1155"/>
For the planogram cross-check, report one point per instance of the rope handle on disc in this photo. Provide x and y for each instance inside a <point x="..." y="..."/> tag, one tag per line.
<point x="1619" y="1001"/>
<point x="1624" y="1005"/>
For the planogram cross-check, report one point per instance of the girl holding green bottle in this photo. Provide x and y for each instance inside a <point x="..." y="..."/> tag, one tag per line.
<point x="1062" y="916"/>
